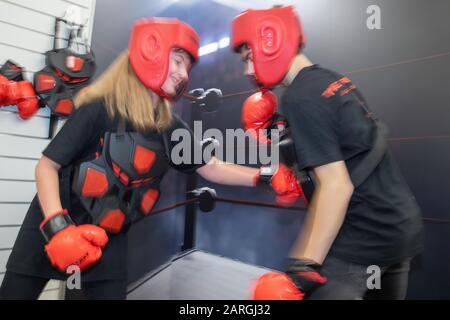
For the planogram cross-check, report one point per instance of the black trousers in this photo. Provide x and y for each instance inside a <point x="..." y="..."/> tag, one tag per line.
<point x="17" y="286"/>
<point x="349" y="281"/>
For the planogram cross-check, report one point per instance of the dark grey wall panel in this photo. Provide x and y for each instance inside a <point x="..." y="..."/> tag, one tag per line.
<point x="410" y="29"/>
<point x="429" y="278"/>
<point x="411" y="98"/>
<point x="425" y="165"/>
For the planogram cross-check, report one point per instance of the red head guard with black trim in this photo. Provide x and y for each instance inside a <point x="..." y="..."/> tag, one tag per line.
<point x="274" y="36"/>
<point x="150" y="45"/>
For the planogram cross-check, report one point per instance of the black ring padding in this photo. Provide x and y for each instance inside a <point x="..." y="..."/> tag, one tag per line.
<point x="195" y="95"/>
<point x="206" y="201"/>
<point x="55" y="225"/>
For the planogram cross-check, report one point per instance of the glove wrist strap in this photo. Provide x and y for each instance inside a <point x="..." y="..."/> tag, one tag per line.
<point x="305" y="274"/>
<point x="265" y="175"/>
<point x="55" y="223"/>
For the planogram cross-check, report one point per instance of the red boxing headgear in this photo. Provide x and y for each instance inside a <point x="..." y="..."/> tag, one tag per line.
<point x="150" y="44"/>
<point x="274" y="35"/>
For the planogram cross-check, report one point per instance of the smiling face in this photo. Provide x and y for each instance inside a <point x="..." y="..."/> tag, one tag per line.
<point x="178" y="75"/>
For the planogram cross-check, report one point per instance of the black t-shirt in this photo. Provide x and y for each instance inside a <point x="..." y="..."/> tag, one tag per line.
<point x="79" y="138"/>
<point x="329" y="123"/>
<point x="76" y="142"/>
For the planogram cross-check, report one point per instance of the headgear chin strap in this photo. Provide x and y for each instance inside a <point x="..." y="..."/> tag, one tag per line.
<point x="150" y="45"/>
<point x="274" y="35"/>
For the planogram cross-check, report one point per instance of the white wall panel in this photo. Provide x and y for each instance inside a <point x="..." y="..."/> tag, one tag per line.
<point x="26" y="33"/>
<point x="12" y="214"/>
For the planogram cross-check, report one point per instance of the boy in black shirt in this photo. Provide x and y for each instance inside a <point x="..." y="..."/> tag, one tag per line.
<point x="348" y="228"/>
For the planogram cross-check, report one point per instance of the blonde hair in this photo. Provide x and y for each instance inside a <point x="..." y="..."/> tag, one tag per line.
<point x="125" y="96"/>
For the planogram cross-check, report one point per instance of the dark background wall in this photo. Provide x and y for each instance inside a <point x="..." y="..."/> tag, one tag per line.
<point x="401" y="69"/>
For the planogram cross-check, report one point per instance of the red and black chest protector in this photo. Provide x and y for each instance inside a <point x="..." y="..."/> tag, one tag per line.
<point x="66" y="72"/>
<point x="123" y="182"/>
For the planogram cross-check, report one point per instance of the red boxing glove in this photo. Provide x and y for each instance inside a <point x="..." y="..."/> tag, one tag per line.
<point x="285" y="184"/>
<point x="257" y="113"/>
<point x="72" y="245"/>
<point x="4" y="97"/>
<point x="19" y="93"/>
<point x="276" y="286"/>
<point x="301" y="278"/>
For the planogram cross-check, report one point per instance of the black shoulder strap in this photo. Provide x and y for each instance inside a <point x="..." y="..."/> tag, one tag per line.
<point x="166" y="143"/>
<point x="371" y="160"/>
<point x="360" y="173"/>
<point x="121" y="127"/>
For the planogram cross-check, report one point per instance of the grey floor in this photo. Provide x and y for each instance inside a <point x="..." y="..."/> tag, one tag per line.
<point x="198" y="275"/>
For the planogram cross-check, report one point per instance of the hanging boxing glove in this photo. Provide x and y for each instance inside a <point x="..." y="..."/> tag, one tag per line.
<point x="21" y="94"/>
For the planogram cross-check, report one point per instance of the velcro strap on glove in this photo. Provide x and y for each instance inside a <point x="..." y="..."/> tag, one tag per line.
<point x="305" y="274"/>
<point x="55" y="223"/>
<point x="264" y="175"/>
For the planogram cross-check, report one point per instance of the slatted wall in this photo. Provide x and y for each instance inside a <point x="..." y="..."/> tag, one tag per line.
<point x="26" y="33"/>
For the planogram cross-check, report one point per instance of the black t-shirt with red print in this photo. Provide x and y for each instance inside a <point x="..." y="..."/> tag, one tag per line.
<point x="330" y="122"/>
